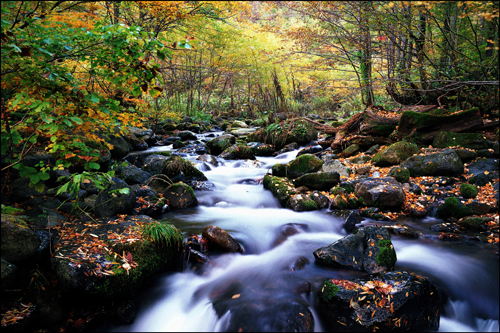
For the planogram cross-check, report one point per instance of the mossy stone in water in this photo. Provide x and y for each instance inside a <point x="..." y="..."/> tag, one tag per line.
<point x="453" y="207"/>
<point x="303" y="164"/>
<point x="395" y="154"/>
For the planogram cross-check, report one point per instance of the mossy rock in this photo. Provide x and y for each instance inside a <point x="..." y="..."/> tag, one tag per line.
<point x="402" y="175"/>
<point x="474" y="223"/>
<point x="180" y="195"/>
<point x="468" y="191"/>
<point x="288" y="131"/>
<point x="176" y="164"/>
<point x="301" y="203"/>
<point x="281" y="188"/>
<point x="303" y="164"/>
<point x="387" y="255"/>
<point x="340" y="202"/>
<point x="238" y="151"/>
<point x="445" y="163"/>
<point x="322" y="181"/>
<point x="395" y="154"/>
<point x="453" y="207"/>
<point x="467" y="140"/>
<point x="279" y="170"/>
<point x="221" y="143"/>
<point x="351" y="150"/>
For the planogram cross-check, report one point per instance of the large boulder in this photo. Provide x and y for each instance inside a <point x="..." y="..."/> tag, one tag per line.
<point x="120" y="147"/>
<point x="133" y="175"/>
<point x="384" y="193"/>
<point x="467" y="140"/>
<point x="152" y="163"/>
<point x="322" y="181"/>
<point x="369" y="249"/>
<point x="220" y="143"/>
<point x="261" y="149"/>
<point x="395" y="154"/>
<point x="96" y="262"/>
<point x="180" y="195"/>
<point x="394" y="301"/>
<point x="220" y="239"/>
<point x="483" y="171"/>
<point x="303" y="164"/>
<point x="18" y="241"/>
<point x="446" y="163"/>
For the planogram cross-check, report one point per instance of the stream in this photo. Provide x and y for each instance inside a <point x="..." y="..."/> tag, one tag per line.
<point x="466" y="273"/>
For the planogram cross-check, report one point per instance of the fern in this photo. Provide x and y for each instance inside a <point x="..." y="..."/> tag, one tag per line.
<point x="162" y="234"/>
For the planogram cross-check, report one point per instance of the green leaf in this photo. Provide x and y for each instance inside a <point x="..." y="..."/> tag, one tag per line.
<point x="44" y="176"/>
<point x="39" y="187"/>
<point x="18" y="98"/>
<point x="76" y="179"/>
<point x="17" y="49"/>
<point x="137" y="91"/>
<point x="94" y="99"/>
<point x="94" y="165"/>
<point x="124" y="190"/>
<point x="44" y="51"/>
<point x="160" y="55"/>
<point x="62" y="189"/>
<point x="76" y="120"/>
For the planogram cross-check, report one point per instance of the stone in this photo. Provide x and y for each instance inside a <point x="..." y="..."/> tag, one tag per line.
<point x="483" y="171"/>
<point x="153" y="163"/>
<point x="120" y="147"/>
<point x="385" y="193"/>
<point x="320" y="200"/>
<point x="303" y="164"/>
<point x="18" y="242"/>
<point x="446" y="163"/>
<point x="466" y="155"/>
<point x="468" y="191"/>
<point x="238" y="151"/>
<point x="133" y="175"/>
<point x="408" y="302"/>
<point x="335" y="166"/>
<point x="351" y="150"/>
<point x="180" y="195"/>
<point x="466" y="140"/>
<point x="322" y="181"/>
<point x="369" y="249"/>
<point x="261" y="149"/>
<point x="301" y="203"/>
<point x="289" y="147"/>
<point x="111" y="202"/>
<point x="281" y="188"/>
<point x="187" y="135"/>
<point x="402" y="175"/>
<point x="395" y="154"/>
<point x="218" y="238"/>
<point x="180" y="169"/>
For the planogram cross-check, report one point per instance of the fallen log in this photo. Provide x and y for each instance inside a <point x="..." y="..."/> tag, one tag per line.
<point x="424" y="127"/>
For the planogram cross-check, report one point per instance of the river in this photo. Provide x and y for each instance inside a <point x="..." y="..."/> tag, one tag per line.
<point x="467" y="273"/>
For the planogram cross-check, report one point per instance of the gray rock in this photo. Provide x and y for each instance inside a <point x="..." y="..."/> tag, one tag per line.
<point x="335" y="166"/>
<point x="220" y="239"/>
<point x="110" y="203"/>
<point x="301" y="203"/>
<point x="120" y="147"/>
<point x="18" y="242"/>
<point x="320" y="200"/>
<point x="180" y="195"/>
<point x="446" y="163"/>
<point x="385" y="193"/>
<point x="322" y="181"/>
<point x="133" y="175"/>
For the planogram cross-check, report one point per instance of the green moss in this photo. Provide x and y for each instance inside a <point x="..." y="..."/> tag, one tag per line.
<point x="387" y="256"/>
<point x="279" y="170"/>
<point x="337" y="190"/>
<point x="474" y="223"/>
<point x="402" y="175"/>
<point x="308" y="204"/>
<point x="468" y="191"/>
<point x="383" y="130"/>
<point x="453" y="207"/>
<point x="348" y="187"/>
<point x="181" y="185"/>
<point x="281" y="188"/>
<point x="304" y="164"/>
<point x="340" y="202"/>
<point x="328" y="290"/>
<point x="175" y="164"/>
<point x="353" y="203"/>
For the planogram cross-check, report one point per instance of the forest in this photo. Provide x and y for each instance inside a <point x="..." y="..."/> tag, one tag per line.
<point x="133" y="131"/>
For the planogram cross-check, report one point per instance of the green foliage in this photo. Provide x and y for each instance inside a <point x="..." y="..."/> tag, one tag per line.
<point x="328" y="290"/>
<point x="11" y="210"/>
<point x="162" y="234"/>
<point x="468" y="191"/>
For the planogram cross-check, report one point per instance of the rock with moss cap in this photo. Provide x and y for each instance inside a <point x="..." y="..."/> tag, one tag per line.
<point x="446" y="163"/>
<point x="369" y="249"/>
<point x="468" y="191"/>
<point x="347" y="305"/>
<point x="180" y="169"/>
<point x="19" y="243"/>
<point x="301" y="203"/>
<point x="385" y="193"/>
<point x="220" y="143"/>
<point x="466" y="140"/>
<point x="395" y="154"/>
<point x="180" y="195"/>
<point x="281" y="188"/>
<point x="453" y="207"/>
<point x="322" y="181"/>
<point x="474" y="223"/>
<point x="303" y="164"/>
<point x="402" y="175"/>
<point x="238" y="151"/>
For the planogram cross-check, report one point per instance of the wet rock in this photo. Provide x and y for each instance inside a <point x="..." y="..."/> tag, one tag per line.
<point x="154" y="163"/>
<point x="475" y="223"/>
<point x="415" y="210"/>
<point x="238" y="151"/>
<point x="208" y="159"/>
<point x="479" y="208"/>
<point x="220" y="143"/>
<point x="150" y="205"/>
<point x="288" y="147"/>
<point x="466" y="140"/>
<point x="351" y="220"/>
<point x="187" y="135"/>
<point x="395" y="154"/>
<point x="120" y="147"/>
<point x="468" y="191"/>
<point x="372" y="150"/>
<point x="340" y="202"/>
<point x="180" y="169"/>
<point x="335" y="166"/>
<point x="404" y="302"/>
<point x="194" y="149"/>
<point x="281" y="188"/>
<point x="180" y="195"/>
<point x="220" y="239"/>
<point x="483" y="171"/>
<point x="288" y="230"/>
<point x="401" y="230"/>
<point x="385" y="193"/>
<point x="279" y="170"/>
<point x="133" y="175"/>
<point x="446" y="163"/>
<point x="363" y="170"/>
<point x="239" y="124"/>
<point x="320" y="200"/>
<point x="322" y="181"/>
<point x="142" y="145"/>
<point x="301" y="203"/>
<point x="303" y="164"/>
<point x="266" y="314"/>
<point x="299" y="265"/>
<point x="446" y="227"/>
<point x="113" y="202"/>
<point x="21" y="191"/>
<point x="261" y="149"/>
<point x="369" y="249"/>
<point x="313" y="149"/>
<point x="19" y="243"/>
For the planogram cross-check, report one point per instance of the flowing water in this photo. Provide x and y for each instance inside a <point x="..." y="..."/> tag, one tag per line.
<point x="467" y="273"/>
